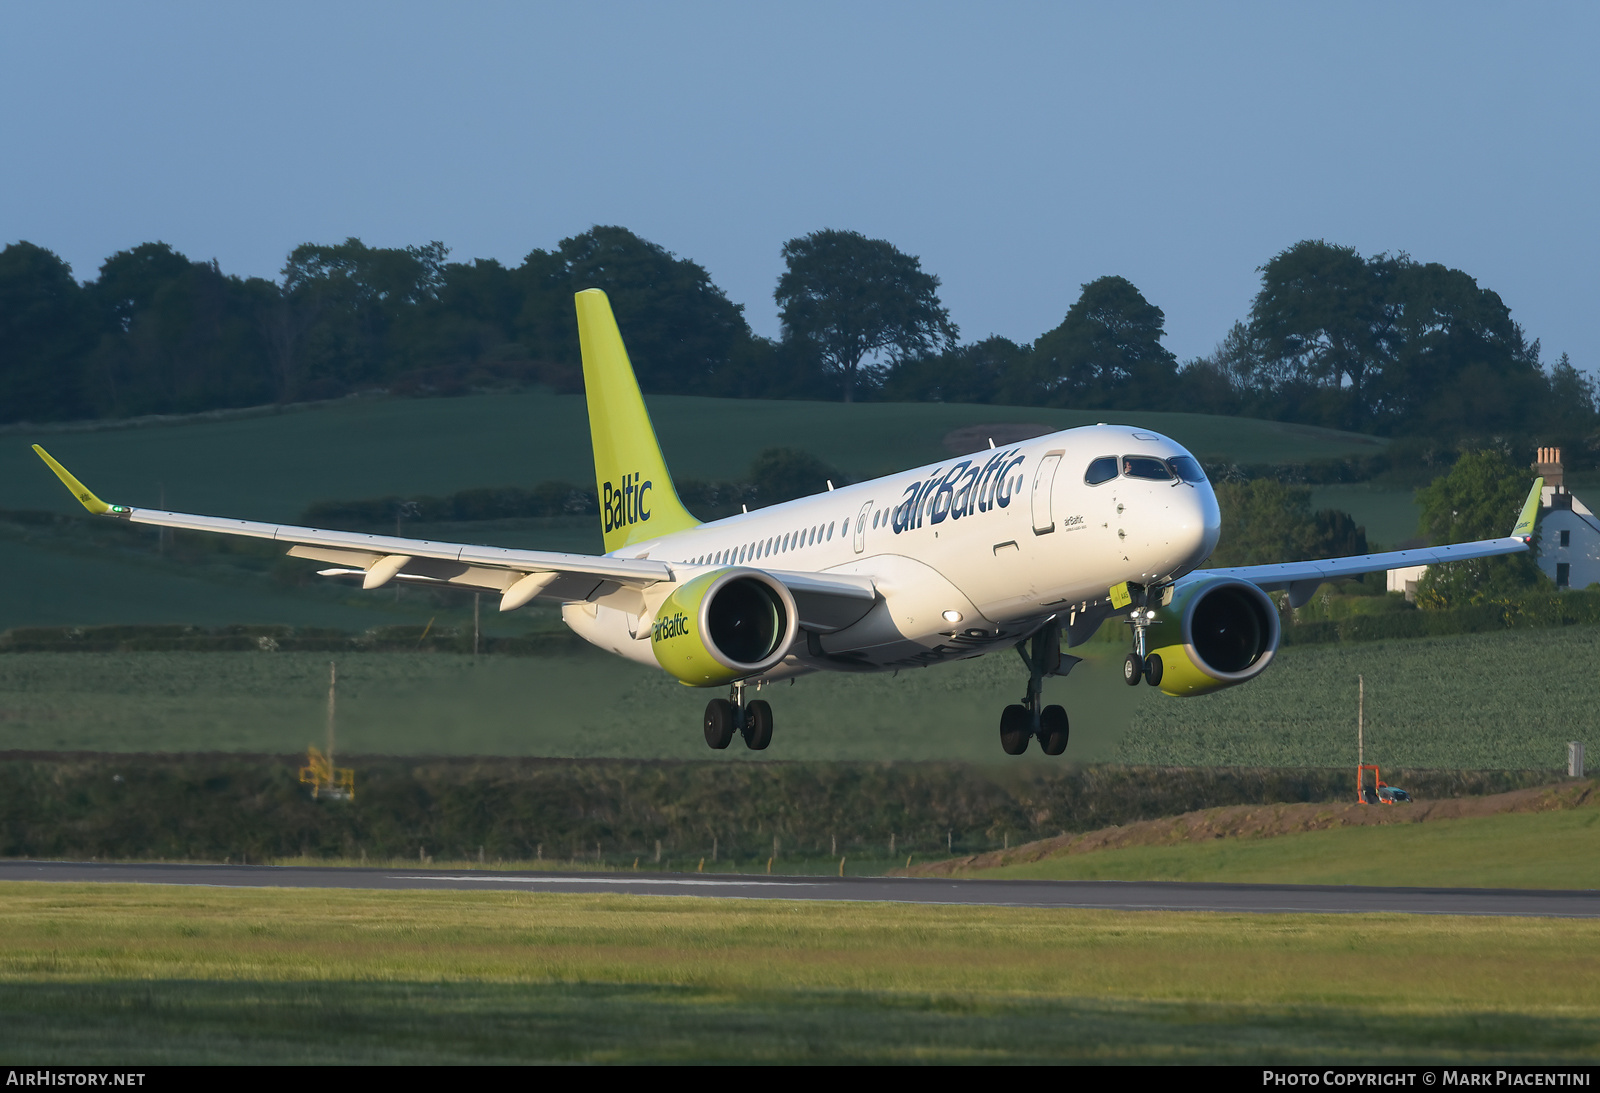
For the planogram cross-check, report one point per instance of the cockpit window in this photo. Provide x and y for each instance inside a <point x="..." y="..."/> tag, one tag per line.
<point x="1144" y="466"/>
<point x="1187" y="469"/>
<point x="1101" y="470"/>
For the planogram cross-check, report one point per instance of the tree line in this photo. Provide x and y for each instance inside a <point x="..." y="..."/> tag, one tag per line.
<point x="1382" y="344"/>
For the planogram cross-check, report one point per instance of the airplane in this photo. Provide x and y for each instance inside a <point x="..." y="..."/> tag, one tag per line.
<point x="1022" y="547"/>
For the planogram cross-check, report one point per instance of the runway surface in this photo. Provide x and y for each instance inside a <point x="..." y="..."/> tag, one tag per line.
<point x="1104" y="895"/>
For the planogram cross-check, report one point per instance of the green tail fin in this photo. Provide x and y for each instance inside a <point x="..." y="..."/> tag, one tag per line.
<point x="637" y="499"/>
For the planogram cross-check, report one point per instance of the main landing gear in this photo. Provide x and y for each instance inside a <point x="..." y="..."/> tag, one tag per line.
<point x="1139" y="665"/>
<point x="1020" y="723"/>
<point x="726" y="716"/>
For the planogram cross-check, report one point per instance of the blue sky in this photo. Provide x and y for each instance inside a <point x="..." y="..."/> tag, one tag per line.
<point x="1019" y="149"/>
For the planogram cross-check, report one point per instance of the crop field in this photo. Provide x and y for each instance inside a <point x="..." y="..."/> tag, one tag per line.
<point x="1499" y="701"/>
<point x="147" y="975"/>
<point x="1534" y="850"/>
<point x="588" y="705"/>
<point x="1507" y="700"/>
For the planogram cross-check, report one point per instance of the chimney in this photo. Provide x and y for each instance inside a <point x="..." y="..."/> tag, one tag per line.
<point x="1549" y="468"/>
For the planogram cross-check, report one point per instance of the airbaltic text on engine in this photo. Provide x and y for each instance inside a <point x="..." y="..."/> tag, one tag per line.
<point x="674" y="627"/>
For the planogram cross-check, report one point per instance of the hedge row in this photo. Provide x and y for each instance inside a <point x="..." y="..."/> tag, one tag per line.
<point x="1543" y="610"/>
<point x="215" y="807"/>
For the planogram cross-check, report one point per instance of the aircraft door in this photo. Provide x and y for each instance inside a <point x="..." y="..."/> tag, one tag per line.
<point x="1043" y="486"/>
<point x="861" y="527"/>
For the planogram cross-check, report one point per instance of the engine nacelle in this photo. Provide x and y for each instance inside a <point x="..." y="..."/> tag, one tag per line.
<point x="723" y="626"/>
<point x="1226" y="631"/>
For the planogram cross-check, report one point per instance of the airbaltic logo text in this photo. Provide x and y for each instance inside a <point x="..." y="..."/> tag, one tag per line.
<point x="968" y="487"/>
<point x="624" y="505"/>
<point x="674" y="627"/>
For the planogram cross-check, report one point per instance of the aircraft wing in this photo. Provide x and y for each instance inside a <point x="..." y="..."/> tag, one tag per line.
<point x="1302" y="578"/>
<point x="826" y="601"/>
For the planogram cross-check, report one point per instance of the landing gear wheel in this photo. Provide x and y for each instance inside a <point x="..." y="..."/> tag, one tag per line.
<point x="1133" y="669"/>
<point x="1053" y="730"/>
<point x="1016" y="725"/>
<point x="1152" y="669"/>
<point x="757" y="725"/>
<point x="720" y="719"/>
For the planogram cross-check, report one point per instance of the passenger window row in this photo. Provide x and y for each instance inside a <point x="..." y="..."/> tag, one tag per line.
<point x="778" y="544"/>
<point x="1147" y="467"/>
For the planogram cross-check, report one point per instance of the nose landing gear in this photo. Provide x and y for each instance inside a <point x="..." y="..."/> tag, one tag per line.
<point x="1139" y="665"/>
<point x="1021" y="722"/>
<point x="726" y="716"/>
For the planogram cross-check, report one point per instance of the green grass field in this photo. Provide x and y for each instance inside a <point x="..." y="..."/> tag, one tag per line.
<point x="1527" y="850"/>
<point x="95" y="974"/>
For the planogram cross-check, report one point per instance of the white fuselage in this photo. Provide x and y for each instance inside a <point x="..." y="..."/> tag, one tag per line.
<point x="965" y="554"/>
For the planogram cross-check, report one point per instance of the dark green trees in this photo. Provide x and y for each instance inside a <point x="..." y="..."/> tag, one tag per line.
<point x="176" y="336"/>
<point x="351" y="303"/>
<point x="1390" y="345"/>
<point x="1381" y="344"/>
<point x="1107" y="352"/>
<point x="46" y="326"/>
<point x="847" y="298"/>
<point x="681" y="329"/>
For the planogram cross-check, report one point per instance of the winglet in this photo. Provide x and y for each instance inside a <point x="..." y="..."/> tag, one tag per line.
<point x="1530" y="511"/>
<point x="83" y="493"/>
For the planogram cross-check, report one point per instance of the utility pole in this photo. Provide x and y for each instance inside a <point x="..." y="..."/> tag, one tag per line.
<point x="1361" y="710"/>
<point x="333" y="687"/>
<point x="477" y="602"/>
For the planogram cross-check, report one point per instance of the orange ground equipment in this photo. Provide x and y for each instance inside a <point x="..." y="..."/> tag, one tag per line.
<point x="1371" y="796"/>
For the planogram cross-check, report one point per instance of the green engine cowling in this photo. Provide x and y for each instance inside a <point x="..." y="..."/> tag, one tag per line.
<point x="1221" y="632"/>
<point x="724" y="626"/>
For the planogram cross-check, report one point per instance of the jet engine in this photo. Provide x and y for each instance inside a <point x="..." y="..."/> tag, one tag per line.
<point x="723" y="626"/>
<point x="1220" y="631"/>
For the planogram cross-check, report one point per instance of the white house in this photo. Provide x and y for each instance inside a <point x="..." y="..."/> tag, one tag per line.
<point x="1569" y="535"/>
<point x="1569" y="532"/>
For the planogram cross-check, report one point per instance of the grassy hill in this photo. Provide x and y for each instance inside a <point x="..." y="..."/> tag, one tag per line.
<point x="271" y="465"/>
<point x="1541" y="837"/>
<point x="1547" y="850"/>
